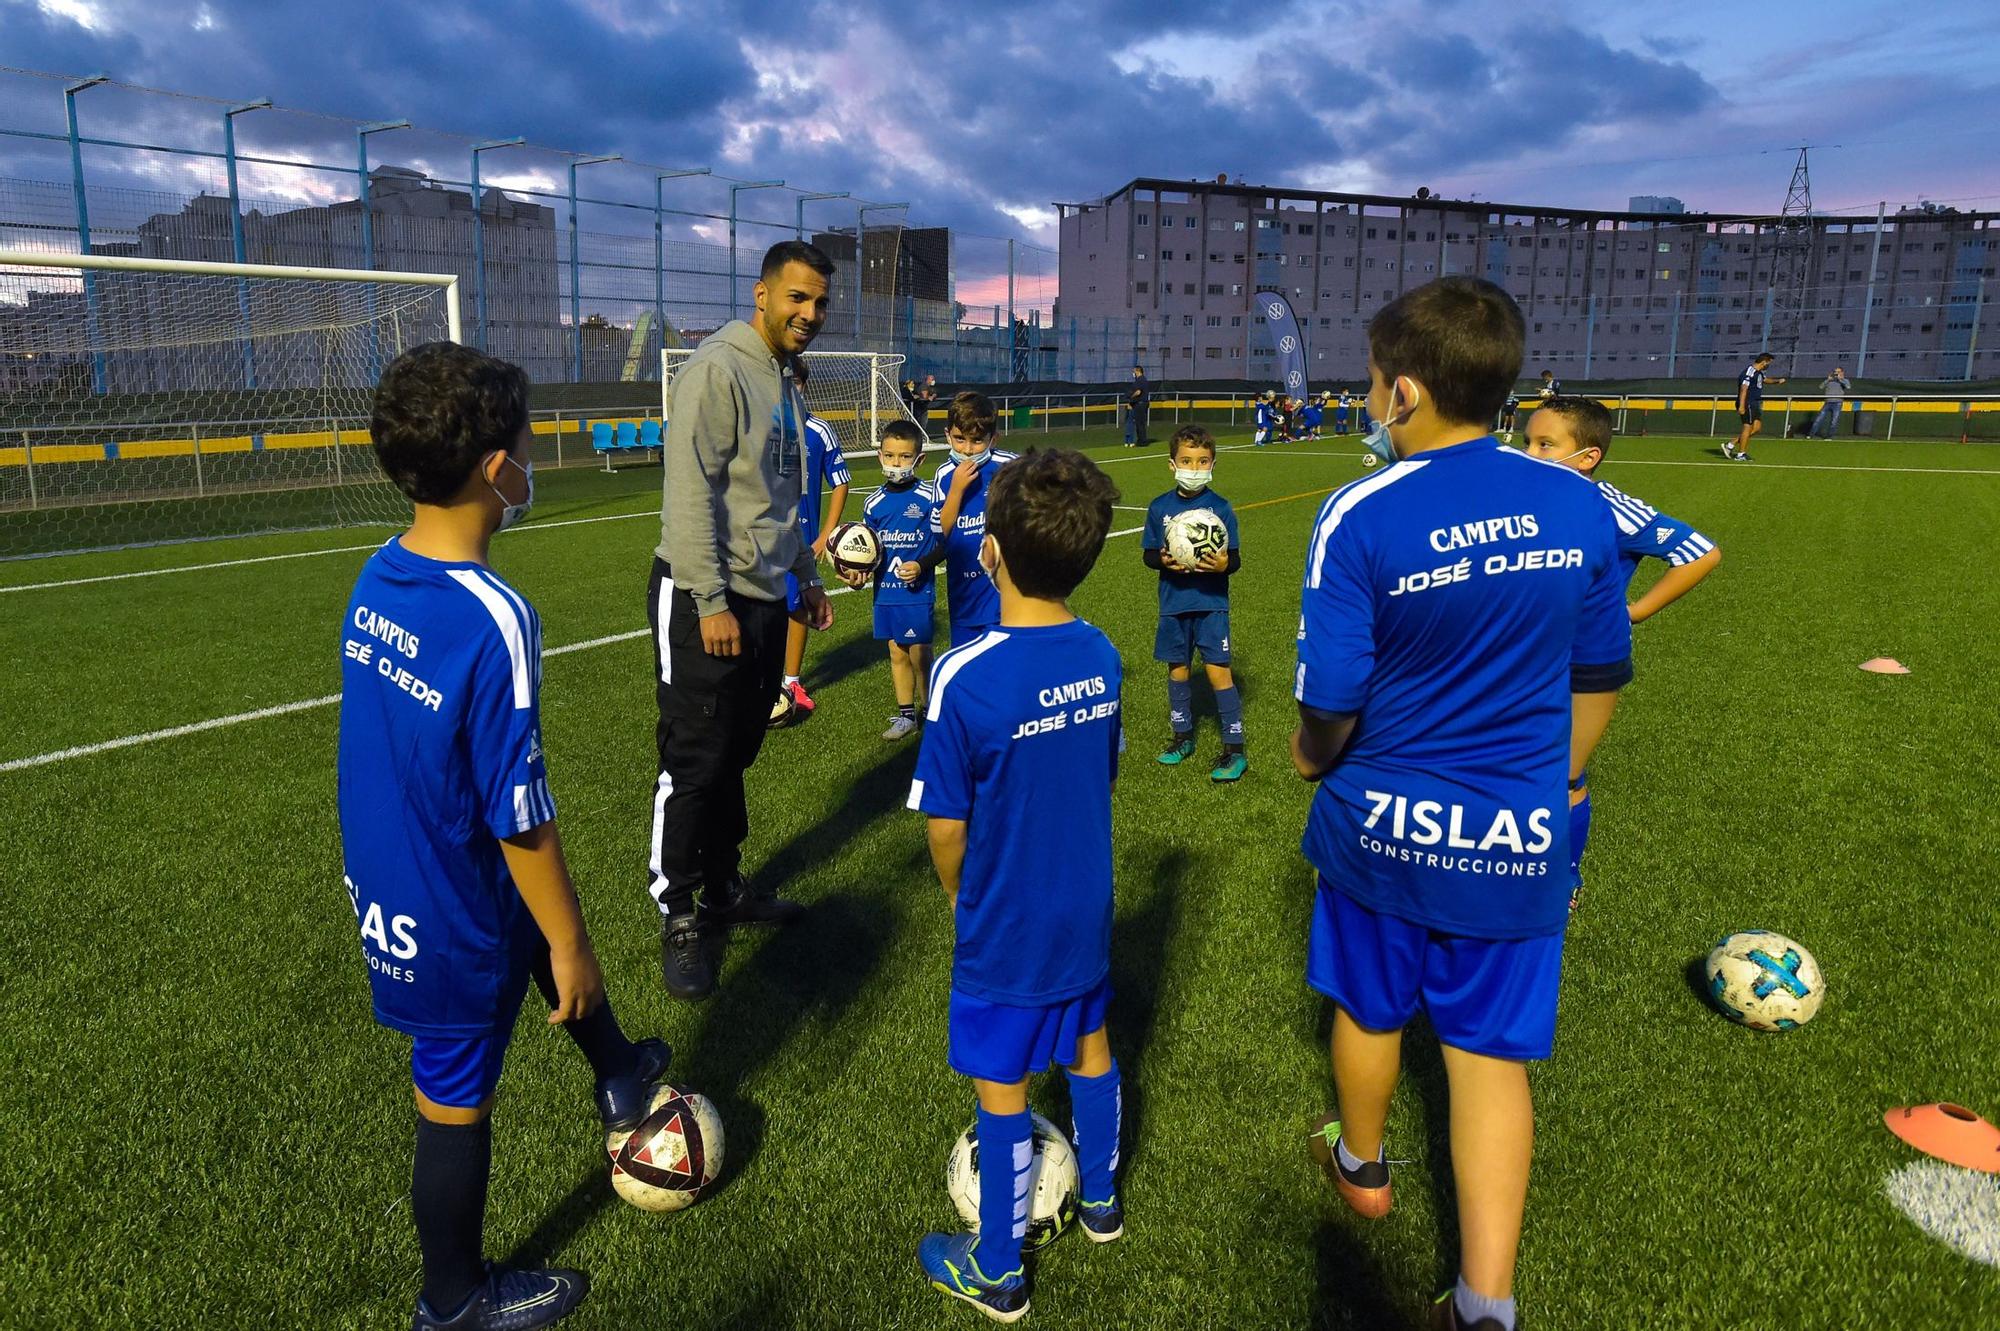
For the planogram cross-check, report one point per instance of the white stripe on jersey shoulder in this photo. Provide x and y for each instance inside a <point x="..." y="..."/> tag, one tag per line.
<point x="528" y="617"/>
<point x="513" y="631"/>
<point x="1342" y="501"/>
<point x="955" y="660"/>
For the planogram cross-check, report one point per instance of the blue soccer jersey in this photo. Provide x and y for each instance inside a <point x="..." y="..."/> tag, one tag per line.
<point x="900" y="516"/>
<point x="1264" y="416"/>
<point x="440" y="756"/>
<point x="825" y="466"/>
<point x="1446" y="599"/>
<point x="1187" y="593"/>
<point x="1021" y="740"/>
<point x="1750" y="386"/>
<point x="969" y="594"/>
<point x="1644" y="532"/>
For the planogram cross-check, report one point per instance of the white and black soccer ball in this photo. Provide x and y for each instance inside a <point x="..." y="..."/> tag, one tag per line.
<point x="670" y="1161"/>
<point x="1195" y="535"/>
<point x="854" y="548"/>
<point x="1765" y="981"/>
<point x="784" y="710"/>
<point x="1053" y="1183"/>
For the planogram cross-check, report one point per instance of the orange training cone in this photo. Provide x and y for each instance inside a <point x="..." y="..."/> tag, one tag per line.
<point x="1952" y="1133"/>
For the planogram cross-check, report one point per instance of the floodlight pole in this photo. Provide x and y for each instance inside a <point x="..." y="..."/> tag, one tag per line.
<point x="236" y="229"/>
<point x="479" y="231"/>
<point x="660" y="243"/>
<point x="1868" y="298"/>
<point x="361" y="134"/>
<point x="860" y="236"/>
<point x="735" y="190"/>
<point x="97" y="375"/>
<point x="799" y="228"/>
<point x="575" y="267"/>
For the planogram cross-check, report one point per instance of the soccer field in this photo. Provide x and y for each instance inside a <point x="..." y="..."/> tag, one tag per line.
<point x="204" y="1127"/>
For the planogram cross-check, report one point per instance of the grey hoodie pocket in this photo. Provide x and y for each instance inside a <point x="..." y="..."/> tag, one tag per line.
<point x="755" y="549"/>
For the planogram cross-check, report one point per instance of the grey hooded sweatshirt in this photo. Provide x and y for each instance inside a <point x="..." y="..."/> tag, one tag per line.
<point x="735" y="463"/>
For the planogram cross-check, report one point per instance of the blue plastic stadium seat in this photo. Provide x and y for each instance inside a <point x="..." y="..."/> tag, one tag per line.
<point x="600" y="436"/>
<point x="649" y="434"/>
<point x="628" y="435"/>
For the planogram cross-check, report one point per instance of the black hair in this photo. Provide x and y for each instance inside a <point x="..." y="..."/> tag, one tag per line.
<point x="1050" y="511"/>
<point x="1460" y="337"/>
<point x="794" y="251"/>
<point x="1194" y="436"/>
<point x="1588" y="420"/>
<point x="439" y="408"/>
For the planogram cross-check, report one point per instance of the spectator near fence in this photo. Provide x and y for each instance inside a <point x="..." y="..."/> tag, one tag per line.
<point x="1139" y="404"/>
<point x="1828" y="421"/>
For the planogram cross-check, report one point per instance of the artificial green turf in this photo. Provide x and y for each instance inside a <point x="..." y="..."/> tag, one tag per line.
<point x="203" y="1126"/>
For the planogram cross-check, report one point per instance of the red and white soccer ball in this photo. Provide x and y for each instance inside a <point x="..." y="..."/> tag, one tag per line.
<point x="669" y="1161"/>
<point x="854" y="548"/>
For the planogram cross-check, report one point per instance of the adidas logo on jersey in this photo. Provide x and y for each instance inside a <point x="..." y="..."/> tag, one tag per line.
<point x="913" y="511"/>
<point x="909" y="633"/>
<point x="1660" y="535"/>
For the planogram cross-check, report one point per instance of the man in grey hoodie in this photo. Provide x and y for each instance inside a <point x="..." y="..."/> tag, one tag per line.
<point x="729" y="533"/>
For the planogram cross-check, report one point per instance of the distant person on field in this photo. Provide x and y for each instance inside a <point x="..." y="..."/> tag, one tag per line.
<point x="1749" y="406"/>
<point x="1139" y="405"/>
<point x="1456" y="601"/>
<point x="448" y="826"/>
<point x="1834" y="386"/>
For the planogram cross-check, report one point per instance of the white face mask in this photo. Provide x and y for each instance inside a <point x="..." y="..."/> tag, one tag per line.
<point x="1191" y="480"/>
<point x="1378" y="441"/>
<point x="985" y="567"/>
<point x="897" y="475"/>
<point x="511" y="514"/>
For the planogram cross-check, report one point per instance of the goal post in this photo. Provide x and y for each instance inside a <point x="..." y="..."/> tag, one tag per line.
<point x="145" y="400"/>
<point x="855" y="392"/>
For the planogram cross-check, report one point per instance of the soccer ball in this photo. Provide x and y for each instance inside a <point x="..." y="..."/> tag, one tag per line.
<point x="1053" y="1183"/>
<point x="854" y="548"/>
<point x="670" y="1160"/>
<point x="783" y="711"/>
<point x="1194" y="535"/>
<point x="1764" y="980"/>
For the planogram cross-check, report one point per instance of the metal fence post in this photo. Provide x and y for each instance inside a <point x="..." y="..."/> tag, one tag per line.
<point x="1045" y="413"/>
<point x="28" y="450"/>
<point x="194" y="432"/>
<point x="1890" y="432"/>
<point x="559" y="437"/>
<point x="1714" y="406"/>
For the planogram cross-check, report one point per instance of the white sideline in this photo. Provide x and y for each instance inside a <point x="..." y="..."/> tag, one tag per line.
<point x="297" y="554"/>
<point x="282" y="709"/>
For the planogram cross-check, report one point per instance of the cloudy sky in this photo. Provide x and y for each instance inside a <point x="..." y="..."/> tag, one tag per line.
<point x="981" y="115"/>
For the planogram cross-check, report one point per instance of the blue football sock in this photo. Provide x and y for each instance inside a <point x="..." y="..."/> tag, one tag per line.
<point x="1180" y="705"/>
<point x="1472" y="1307"/>
<point x="1229" y="707"/>
<point x="1098" y="1104"/>
<point x="1579" y="837"/>
<point x="1005" y="1151"/>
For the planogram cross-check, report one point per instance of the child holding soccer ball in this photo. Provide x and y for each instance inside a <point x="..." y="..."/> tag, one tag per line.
<point x="1024" y="731"/>
<point x="1194" y="605"/>
<point x="905" y="591"/>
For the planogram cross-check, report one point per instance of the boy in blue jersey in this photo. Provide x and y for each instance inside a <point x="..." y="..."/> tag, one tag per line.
<point x="1314" y="414"/>
<point x="825" y="465"/>
<point x="1576" y="432"/>
<point x="1341" y="409"/>
<point x="1749" y="406"/>
<point x="905" y="594"/>
<point x="1455" y="601"/>
<point x="1264" y="419"/>
<point x="1194" y="605"/>
<point x="1024" y="733"/>
<point x="958" y="520"/>
<point x="452" y="861"/>
<point x="1508" y="410"/>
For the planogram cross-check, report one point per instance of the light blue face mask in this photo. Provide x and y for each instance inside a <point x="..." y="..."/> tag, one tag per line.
<point x="1377" y="441"/>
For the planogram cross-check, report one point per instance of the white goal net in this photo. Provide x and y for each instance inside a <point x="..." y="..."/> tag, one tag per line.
<point x="855" y="392"/>
<point x="149" y="400"/>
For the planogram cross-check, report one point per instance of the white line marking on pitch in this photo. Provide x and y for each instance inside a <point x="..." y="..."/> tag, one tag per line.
<point x="297" y="554"/>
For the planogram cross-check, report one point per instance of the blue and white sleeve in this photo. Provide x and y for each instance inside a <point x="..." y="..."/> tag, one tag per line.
<point x="504" y="725"/>
<point x="942" y="787"/>
<point x="1336" y="623"/>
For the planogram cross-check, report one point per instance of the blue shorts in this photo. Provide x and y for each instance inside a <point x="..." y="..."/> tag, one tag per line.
<point x="910" y="623"/>
<point x="462" y="1072"/>
<point x="1003" y="1043"/>
<point x="1485" y="996"/>
<point x="1181" y="636"/>
<point x="964" y="633"/>
<point x="1753" y="414"/>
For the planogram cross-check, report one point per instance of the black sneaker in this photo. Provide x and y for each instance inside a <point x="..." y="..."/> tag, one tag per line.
<point x="512" y="1299"/>
<point x="685" y="965"/>
<point x="621" y="1101"/>
<point x="738" y="904"/>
